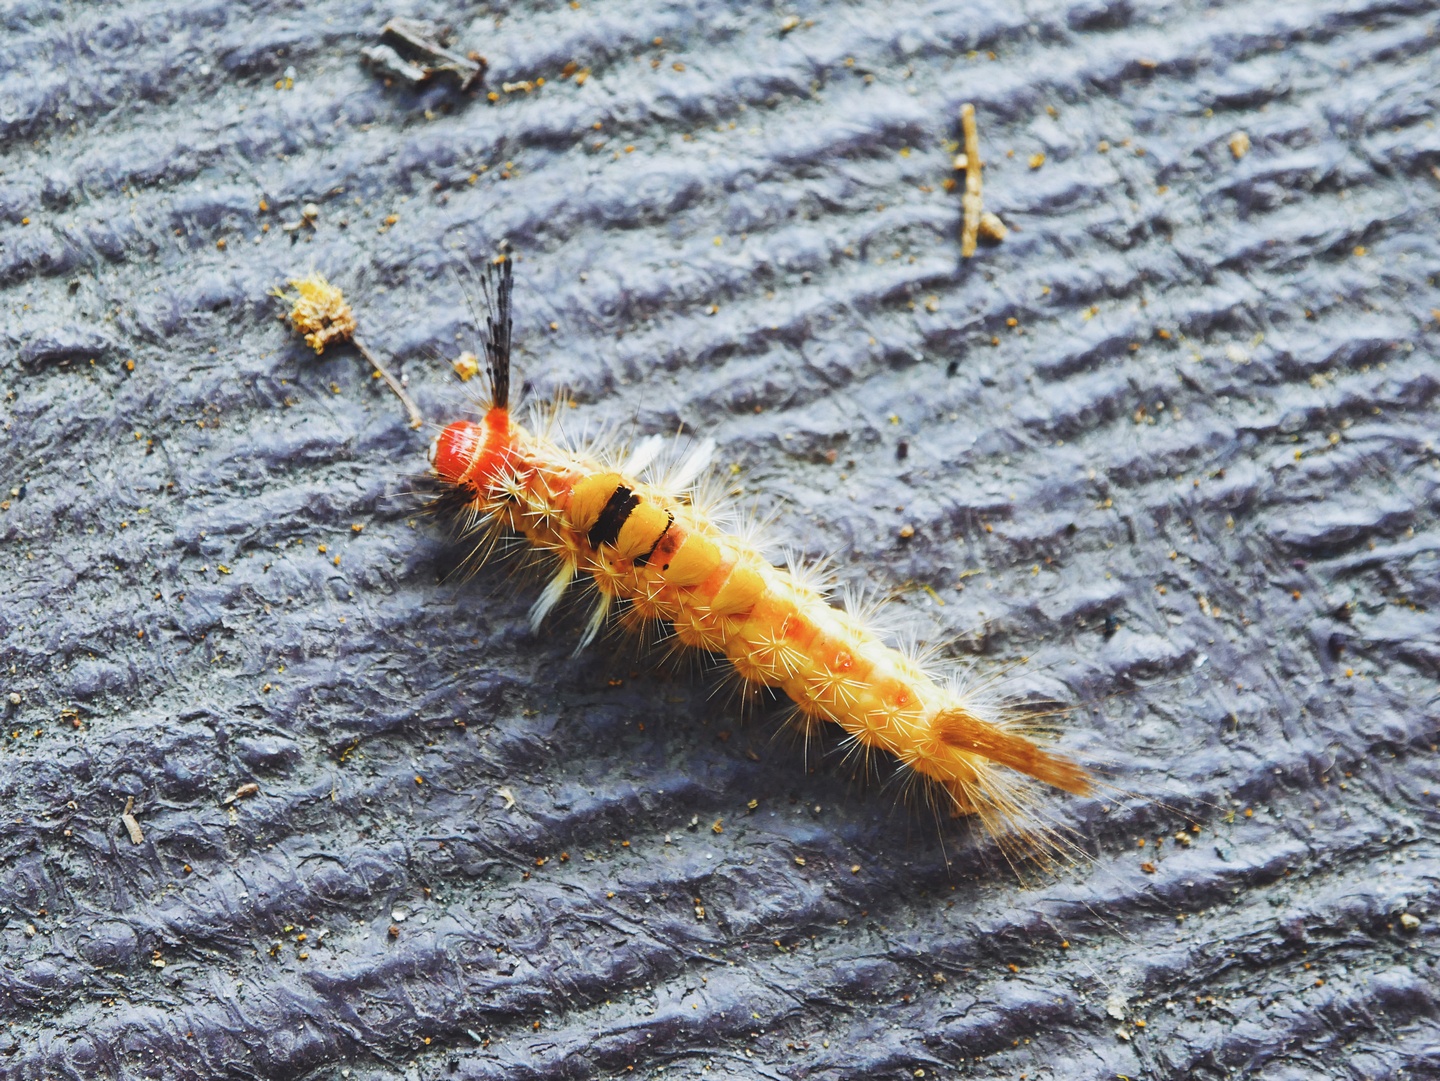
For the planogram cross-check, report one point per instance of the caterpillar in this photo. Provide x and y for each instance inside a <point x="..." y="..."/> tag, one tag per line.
<point x="654" y="547"/>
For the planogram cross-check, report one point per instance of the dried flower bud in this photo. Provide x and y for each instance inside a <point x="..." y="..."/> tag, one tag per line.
<point x="318" y="311"/>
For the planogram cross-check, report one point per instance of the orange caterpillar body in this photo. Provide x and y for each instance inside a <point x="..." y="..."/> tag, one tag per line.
<point x="651" y="545"/>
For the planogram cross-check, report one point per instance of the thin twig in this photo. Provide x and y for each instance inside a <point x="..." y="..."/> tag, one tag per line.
<point x="970" y="202"/>
<point x="416" y="420"/>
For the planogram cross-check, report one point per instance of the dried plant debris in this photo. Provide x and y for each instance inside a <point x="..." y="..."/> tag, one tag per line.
<point x="319" y="311"/>
<point x="245" y="791"/>
<point x="992" y="228"/>
<point x="132" y="826"/>
<point x="972" y="202"/>
<point x="414" y="52"/>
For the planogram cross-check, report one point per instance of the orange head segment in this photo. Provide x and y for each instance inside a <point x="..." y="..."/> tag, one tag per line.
<point x="474" y="454"/>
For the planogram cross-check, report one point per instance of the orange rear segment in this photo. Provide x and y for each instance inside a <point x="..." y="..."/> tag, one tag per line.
<point x="960" y="730"/>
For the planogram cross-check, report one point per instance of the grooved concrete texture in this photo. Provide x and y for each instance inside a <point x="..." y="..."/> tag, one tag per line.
<point x="1190" y="494"/>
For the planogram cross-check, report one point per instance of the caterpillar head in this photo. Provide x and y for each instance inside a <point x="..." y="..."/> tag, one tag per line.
<point x="472" y="454"/>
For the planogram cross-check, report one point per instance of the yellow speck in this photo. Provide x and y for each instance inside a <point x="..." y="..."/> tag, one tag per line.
<point x="1037" y="160"/>
<point x="467" y="366"/>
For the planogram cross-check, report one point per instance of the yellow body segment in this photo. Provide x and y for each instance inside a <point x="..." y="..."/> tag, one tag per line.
<point x="658" y="550"/>
<point x="694" y="561"/>
<point x="588" y="497"/>
<point x="642" y="531"/>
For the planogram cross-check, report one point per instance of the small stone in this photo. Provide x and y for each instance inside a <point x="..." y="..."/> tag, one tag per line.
<point x="1239" y="145"/>
<point x="1409" y="922"/>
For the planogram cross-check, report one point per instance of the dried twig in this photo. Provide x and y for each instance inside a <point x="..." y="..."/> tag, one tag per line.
<point x="970" y="202"/>
<point x="133" y="826"/>
<point x="416" y="420"/>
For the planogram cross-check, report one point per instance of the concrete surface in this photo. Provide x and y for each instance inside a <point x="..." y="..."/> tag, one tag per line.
<point x="1190" y="495"/>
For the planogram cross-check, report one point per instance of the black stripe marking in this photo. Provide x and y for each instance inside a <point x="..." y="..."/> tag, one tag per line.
<point x="606" y="529"/>
<point x="640" y="561"/>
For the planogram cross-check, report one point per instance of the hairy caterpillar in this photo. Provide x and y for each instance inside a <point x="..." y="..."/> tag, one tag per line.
<point x="650" y="545"/>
